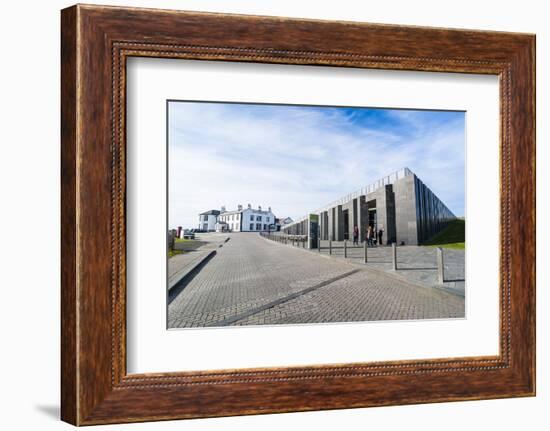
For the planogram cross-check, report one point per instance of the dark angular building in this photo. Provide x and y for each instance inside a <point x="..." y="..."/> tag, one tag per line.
<point x="400" y="204"/>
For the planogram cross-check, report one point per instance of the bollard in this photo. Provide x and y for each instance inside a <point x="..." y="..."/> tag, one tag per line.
<point x="365" y="250"/>
<point x="330" y="245"/>
<point x="440" y="278"/>
<point x="319" y="244"/>
<point x="394" y="256"/>
<point x="345" y="248"/>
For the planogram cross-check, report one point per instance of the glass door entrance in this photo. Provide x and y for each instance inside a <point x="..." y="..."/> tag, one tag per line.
<point x="373" y="222"/>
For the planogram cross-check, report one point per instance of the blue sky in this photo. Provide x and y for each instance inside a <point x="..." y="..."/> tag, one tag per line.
<point x="299" y="158"/>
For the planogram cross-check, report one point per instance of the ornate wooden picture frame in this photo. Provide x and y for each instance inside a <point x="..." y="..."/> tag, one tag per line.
<point x="96" y="41"/>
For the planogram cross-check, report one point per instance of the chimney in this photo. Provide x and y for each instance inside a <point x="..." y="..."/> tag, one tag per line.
<point x="269" y="209"/>
<point x="249" y="206"/>
<point x="259" y="207"/>
<point x="240" y="207"/>
<point x="223" y="209"/>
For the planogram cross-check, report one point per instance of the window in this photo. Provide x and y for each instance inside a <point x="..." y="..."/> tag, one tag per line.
<point x="267" y="219"/>
<point x="251" y="225"/>
<point x="251" y="218"/>
<point x="258" y="226"/>
<point x="258" y="218"/>
<point x="265" y="227"/>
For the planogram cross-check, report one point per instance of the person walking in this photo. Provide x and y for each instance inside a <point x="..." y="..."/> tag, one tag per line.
<point x="355" y="235"/>
<point x="369" y="236"/>
<point x="380" y="234"/>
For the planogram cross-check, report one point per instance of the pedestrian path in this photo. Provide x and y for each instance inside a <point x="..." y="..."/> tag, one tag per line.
<point x="182" y="264"/>
<point x="255" y="281"/>
<point x="416" y="264"/>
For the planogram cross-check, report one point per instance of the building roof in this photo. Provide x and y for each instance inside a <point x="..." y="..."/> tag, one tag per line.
<point x="382" y="182"/>
<point x="231" y="212"/>
<point x="211" y="212"/>
<point x="255" y="210"/>
<point x="389" y="179"/>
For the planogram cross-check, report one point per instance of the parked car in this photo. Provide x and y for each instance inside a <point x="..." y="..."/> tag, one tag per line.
<point x="188" y="234"/>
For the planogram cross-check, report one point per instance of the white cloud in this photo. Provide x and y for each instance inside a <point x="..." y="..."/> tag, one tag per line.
<point x="298" y="159"/>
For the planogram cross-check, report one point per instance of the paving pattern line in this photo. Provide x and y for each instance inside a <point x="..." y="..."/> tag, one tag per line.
<point x="274" y="303"/>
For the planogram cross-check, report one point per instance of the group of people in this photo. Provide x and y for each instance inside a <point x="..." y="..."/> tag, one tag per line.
<point x="370" y="236"/>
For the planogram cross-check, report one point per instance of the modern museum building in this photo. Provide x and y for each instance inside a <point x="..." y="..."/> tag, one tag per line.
<point x="400" y="204"/>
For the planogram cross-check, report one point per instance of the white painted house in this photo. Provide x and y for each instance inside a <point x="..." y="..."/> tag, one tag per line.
<point x="208" y="220"/>
<point x="246" y="220"/>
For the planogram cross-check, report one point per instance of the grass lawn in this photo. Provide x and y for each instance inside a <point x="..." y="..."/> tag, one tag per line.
<point x="172" y="253"/>
<point x="188" y="244"/>
<point x="453" y="236"/>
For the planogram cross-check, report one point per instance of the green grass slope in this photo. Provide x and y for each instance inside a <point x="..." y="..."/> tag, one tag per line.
<point x="453" y="236"/>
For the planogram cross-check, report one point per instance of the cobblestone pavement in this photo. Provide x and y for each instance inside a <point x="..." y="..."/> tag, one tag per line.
<point x="180" y="264"/>
<point x="254" y="281"/>
<point x="415" y="264"/>
<point x="359" y="297"/>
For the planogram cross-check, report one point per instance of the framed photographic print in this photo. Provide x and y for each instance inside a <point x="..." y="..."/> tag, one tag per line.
<point x="266" y="215"/>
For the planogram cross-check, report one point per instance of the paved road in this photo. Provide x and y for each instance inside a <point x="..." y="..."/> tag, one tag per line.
<point x="254" y="281"/>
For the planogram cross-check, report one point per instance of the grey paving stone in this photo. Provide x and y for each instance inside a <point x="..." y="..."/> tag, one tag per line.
<point x="416" y="264"/>
<point x="249" y="272"/>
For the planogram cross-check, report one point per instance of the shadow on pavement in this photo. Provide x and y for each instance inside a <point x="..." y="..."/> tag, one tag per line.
<point x="175" y="291"/>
